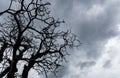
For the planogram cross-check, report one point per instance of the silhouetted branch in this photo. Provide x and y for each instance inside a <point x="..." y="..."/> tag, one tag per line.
<point x="31" y="36"/>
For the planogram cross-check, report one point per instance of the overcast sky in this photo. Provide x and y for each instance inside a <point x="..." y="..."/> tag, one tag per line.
<point x="97" y="24"/>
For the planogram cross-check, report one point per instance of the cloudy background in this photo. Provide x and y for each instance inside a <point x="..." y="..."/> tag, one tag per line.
<point x="97" y="24"/>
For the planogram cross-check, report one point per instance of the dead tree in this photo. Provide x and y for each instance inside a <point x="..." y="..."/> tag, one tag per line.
<point x="31" y="39"/>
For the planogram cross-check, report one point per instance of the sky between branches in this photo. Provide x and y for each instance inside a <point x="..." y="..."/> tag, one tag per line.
<point x="97" y="24"/>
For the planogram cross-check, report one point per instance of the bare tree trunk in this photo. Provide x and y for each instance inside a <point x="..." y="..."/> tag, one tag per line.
<point x="23" y="39"/>
<point x="13" y="70"/>
<point x="27" y="69"/>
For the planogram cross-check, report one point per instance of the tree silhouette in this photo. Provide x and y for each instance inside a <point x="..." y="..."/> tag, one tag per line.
<point x="30" y="38"/>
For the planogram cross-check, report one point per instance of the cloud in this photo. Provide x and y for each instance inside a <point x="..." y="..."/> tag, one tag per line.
<point x="107" y="64"/>
<point x="86" y="64"/>
<point x="96" y="22"/>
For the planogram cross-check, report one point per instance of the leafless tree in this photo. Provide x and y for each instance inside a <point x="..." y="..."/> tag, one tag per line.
<point x="31" y="39"/>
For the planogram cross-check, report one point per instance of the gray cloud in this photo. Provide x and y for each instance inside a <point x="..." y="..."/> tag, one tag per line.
<point x="107" y="64"/>
<point x="94" y="21"/>
<point x="93" y="30"/>
<point x="98" y="29"/>
<point x="86" y="64"/>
